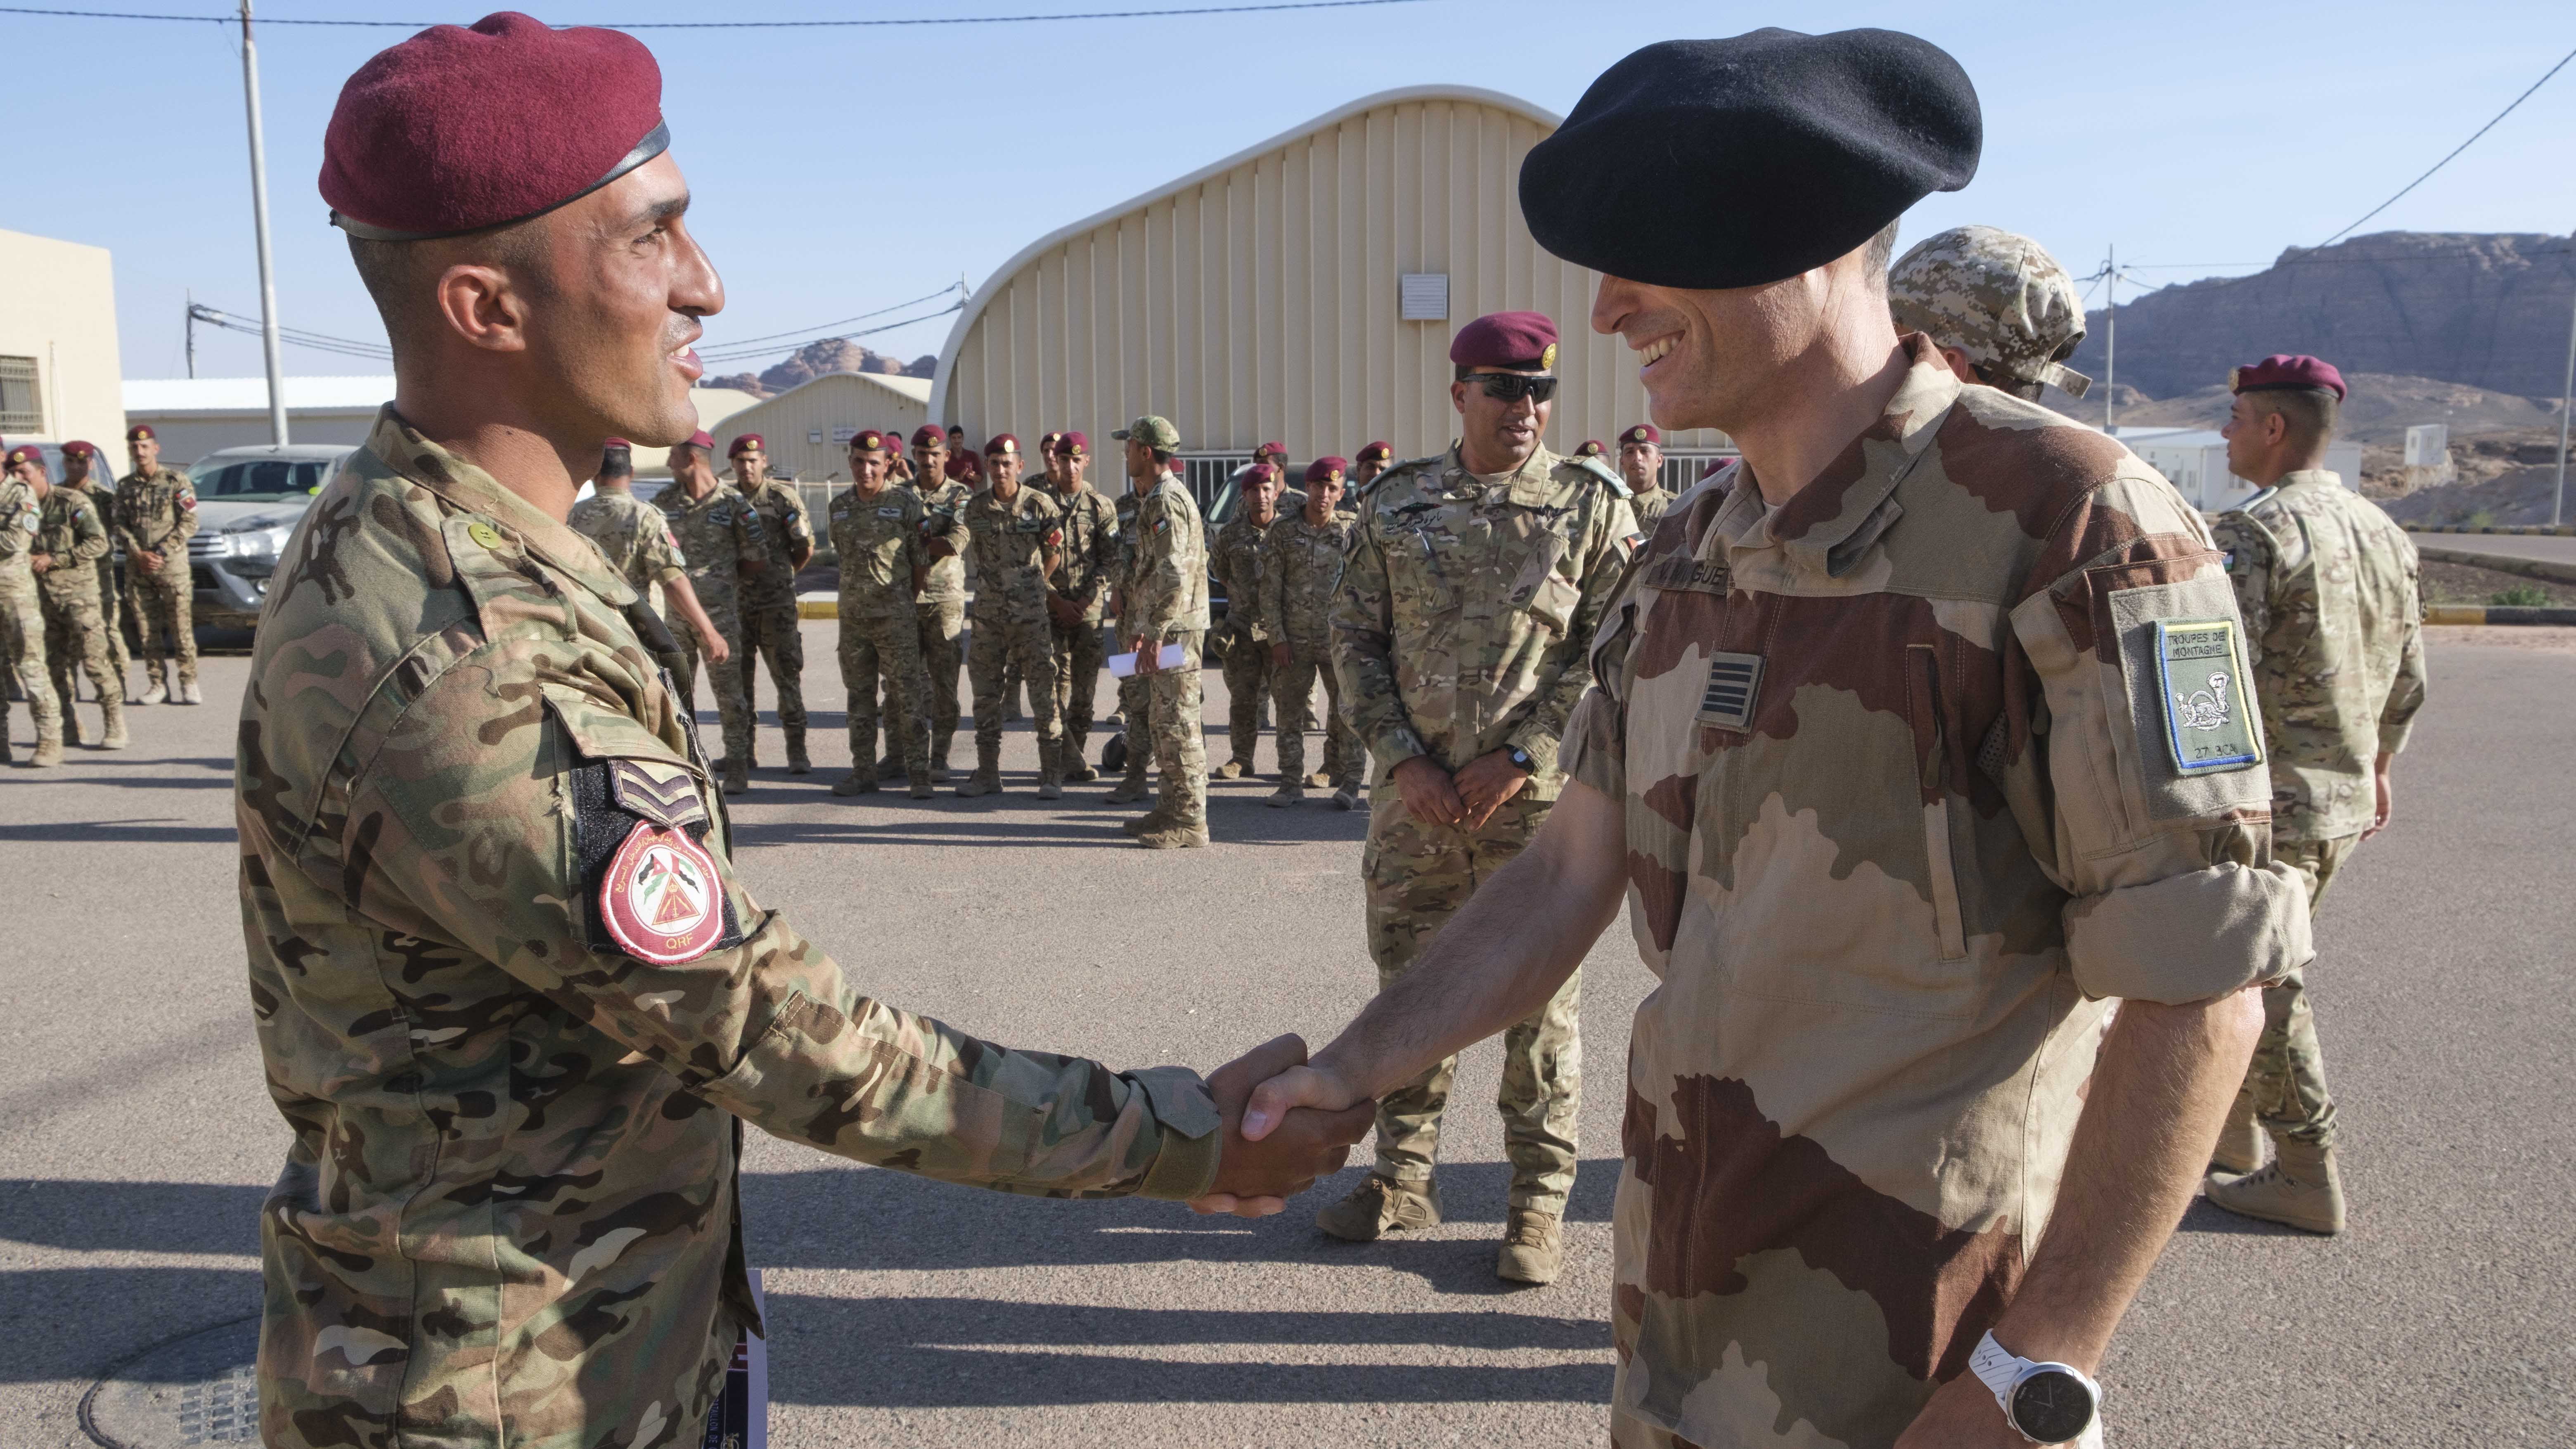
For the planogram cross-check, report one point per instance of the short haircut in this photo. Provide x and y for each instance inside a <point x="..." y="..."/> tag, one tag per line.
<point x="1877" y="253"/>
<point x="2308" y="413"/>
<point x="1163" y="455"/>
<point x="401" y="275"/>
<point x="617" y="463"/>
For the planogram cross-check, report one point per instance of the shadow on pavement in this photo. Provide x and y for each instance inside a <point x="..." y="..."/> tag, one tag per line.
<point x="121" y="832"/>
<point x="2204" y="1216"/>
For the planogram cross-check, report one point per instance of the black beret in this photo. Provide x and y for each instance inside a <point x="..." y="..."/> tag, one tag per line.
<point x="1732" y="163"/>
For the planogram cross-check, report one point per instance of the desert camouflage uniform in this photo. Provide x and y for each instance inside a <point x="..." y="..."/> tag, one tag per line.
<point x="1235" y="558"/>
<point x="1465" y="610"/>
<point x="1903" y="805"/>
<point x="75" y="630"/>
<point x="636" y="540"/>
<point x="1301" y="568"/>
<point x="717" y="535"/>
<point x="22" y="616"/>
<point x="942" y="613"/>
<point x="2333" y="625"/>
<point x="511" y="1210"/>
<point x="1649" y="505"/>
<point x="879" y="541"/>
<point x="1010" y="542"/>
<point x="769" y="623"/>
<point x="1997" y="297"/>
<point x="1085" y="565"/>
<point x="1167" y="602"/>
<point x="157" y="513"/>
<point x="111" y="612"/>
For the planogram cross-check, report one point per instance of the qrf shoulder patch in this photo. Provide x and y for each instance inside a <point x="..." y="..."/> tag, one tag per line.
<point x="660" y="898"/>
<point x="2209" y="713"/>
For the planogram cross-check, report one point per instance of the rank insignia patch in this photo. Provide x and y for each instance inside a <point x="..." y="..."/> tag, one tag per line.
<point x="661" y="899"/>
<point x="2209" y="713"/>
<point x="1734" y="680"/>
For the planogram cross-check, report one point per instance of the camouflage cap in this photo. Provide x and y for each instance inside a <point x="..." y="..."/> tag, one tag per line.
<point x="1153" y="432"/>
<point x="1996" y="296"/>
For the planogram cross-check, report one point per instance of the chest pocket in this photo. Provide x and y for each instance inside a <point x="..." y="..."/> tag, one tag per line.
<point x="1422" y="565"/>
<point x="1543" y="589"/>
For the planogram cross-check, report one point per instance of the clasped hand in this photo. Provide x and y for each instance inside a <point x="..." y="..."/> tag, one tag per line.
<point x="1297" y="1141"/>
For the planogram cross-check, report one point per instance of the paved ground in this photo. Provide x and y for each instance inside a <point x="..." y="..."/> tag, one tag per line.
<point x="136" y="1138"/>
<point x="2548" y="547"/>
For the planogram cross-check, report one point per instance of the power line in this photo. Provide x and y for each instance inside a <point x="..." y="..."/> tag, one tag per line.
<point x="825" y="326"/>
<point x="2455" y="151"/>
<point x="726" y="355"/>
<point x="1275" y="5"/>
<point x="315" y="341"/>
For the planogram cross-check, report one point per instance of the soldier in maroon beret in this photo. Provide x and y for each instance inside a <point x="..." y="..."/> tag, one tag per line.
<point x="481" y="840"/>
<point x="944" y="497"/>
<point x="1641" y="466"/>
<point x="770" y="628"/>
<point x="1366" y="464"/>
<point x="1078" y="596"/>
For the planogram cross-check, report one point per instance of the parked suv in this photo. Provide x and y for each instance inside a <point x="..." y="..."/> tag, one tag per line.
<point x="248" y="502"/>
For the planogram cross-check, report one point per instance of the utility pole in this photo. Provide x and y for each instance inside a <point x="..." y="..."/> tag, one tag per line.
<point x="2110" y="335"/>
<point x="259" y="217"/>
<point x="192" y="334"/>
<point x="2566" y="394"/>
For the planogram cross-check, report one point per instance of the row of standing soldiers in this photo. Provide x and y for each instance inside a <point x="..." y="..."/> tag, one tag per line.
<point x="60" y="604"/>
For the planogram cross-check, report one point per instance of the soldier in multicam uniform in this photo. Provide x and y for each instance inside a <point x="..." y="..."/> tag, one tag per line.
<point x="722" y="541"/>
<point x="636" y="540"/>
<point x="1164" y="600"/>
<point x="512" y="994"/>
<point x="1880" y="756"/>
<point x="942" y="606"/>
<point x="876" y="529"/>
<point x="1085" y="565"/>
<point x="1641" y="468"/>
<point x="1014" y="534"/>
<point x="1135" y="747"/>
<point x="1996" y="304"/>
<point x="1469" y="594"/>
<point x="82" y="469"/>
<point x="156" y="515"/>
<point x="1301" y="570"/>
<point x="2334" y="635"/>
<point x="1366" y="466"/>
<point x="1235" y="557"/>
<point x="70" y="540"/>
<point x="769" y="625"/>
<point x="22" y="616"/>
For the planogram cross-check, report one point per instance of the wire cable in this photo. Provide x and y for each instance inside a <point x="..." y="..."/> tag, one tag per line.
<point x="823" y="326"/>
<point x="1274" y="5"/>
<point x="723" y="355"/>
<point x="2455" y="151"/>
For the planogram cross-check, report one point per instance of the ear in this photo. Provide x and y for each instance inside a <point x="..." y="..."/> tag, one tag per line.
<point x="1458" y="397"/>
<point x="479" y="304"/>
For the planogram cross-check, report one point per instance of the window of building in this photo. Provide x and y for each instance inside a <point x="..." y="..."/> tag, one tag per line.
<point x="22" y="406"/>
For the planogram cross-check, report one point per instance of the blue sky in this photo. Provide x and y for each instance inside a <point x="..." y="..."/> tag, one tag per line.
<point x="838" y="171"/>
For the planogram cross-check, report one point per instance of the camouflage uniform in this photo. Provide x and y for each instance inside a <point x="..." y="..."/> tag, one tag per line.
<point x="111" y="615"/>
<point x="1905" y="798"/>
<point x="1301" y="567"/>
<point x="75" y="630"/>
<point x="22" y="617"/>
<point x="512" y="1194"/>
<point x="879" y="540"/>
<point x="1236" y="560"/>
<point x="942" y="615"/>
<point x="1167" y="602"/>
<point x="769" y="623"/>
<point x="1010" y="542"/>
<point x="636" y="540"/>
<point x="1131" y="690"/>
<point x="1085" y="565"/>
<point x="1648" y="504"/>
<point x="1997" y="297"/>
<point x="157" y="513"/>
<point x="717" y="535"/>
<point x="1464" y="612"/>
<point x="2333" y="625"/>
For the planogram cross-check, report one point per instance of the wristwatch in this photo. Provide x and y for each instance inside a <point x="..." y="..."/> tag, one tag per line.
<point x="2049" y="1403"/>
<point x="1521" y="761"/>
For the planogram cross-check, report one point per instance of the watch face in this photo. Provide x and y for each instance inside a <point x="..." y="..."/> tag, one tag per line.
<point x="2052" y="1406"/>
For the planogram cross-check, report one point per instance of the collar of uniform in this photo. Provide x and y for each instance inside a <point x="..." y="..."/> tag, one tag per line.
<point x="1529" y="484"/>
<point x="2325" y="476"/>
<point x="406" y="452"/>
<point x="1826" y="514"/>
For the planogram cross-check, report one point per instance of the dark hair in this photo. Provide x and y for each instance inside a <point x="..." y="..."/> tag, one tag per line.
<point x="617" y="463"/>
<point x="2308" y="413"/>
<point x="399" y="275"/>
<point x="1162" y="455"/>
<point x="1880" y="250"/>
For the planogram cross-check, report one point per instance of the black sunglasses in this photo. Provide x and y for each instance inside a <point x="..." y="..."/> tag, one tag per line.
<point x="1506" y="386"/>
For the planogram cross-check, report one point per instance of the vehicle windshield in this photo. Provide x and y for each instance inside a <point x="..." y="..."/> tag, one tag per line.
<point x="261" y="480"/>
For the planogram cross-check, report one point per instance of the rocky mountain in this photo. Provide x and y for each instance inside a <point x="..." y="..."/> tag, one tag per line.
<point x="2489" y="310"/>
<point x="835" y="354"/>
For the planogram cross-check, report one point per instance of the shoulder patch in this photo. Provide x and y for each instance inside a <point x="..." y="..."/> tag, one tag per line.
<point x="1603" y="471"/>
<point x="650" y="889"/>
<point x="2209" y="713"/>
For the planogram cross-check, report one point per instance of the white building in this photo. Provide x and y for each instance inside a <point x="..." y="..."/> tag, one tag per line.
<point x="808" y="427"/>
<point x="59" y="372"/>
<point x="2194" y="460"/>
<point x="1303" y="290"/>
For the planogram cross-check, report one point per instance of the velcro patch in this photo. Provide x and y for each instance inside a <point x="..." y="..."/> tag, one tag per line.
<point x="664" y="792"/>
<point x="1734" y="681"/>
<point x="2209" y="713"/>
<point x="1705" y="576"/>
<point x="661" y="898"/>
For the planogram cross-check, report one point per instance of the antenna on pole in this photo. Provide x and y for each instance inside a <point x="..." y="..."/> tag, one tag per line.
<point x="2110" y="338"/>
<point x="192" y="333"/>
<point x="269" y="343"/>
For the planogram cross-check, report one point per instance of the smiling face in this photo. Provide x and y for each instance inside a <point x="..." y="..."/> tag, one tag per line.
<point x="1323" y="495"/>
<point x="1713" y="359"/>
<point x="869" y="467"/>
<point x="1004" y="469"/>
<point x="612" y="322"/>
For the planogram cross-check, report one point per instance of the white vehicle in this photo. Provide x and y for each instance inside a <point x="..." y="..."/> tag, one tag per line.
<point x="248" y="502"/>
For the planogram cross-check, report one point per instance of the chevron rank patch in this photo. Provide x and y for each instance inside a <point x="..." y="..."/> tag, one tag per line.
<point x="1734" y="680"/>
<point x="2209" y="715"/>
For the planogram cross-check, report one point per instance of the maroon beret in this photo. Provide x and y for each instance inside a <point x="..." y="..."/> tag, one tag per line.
<point x="746" y="442"/>
<point x="1271" y="450"/>
<point x="1591" y="449"/>
<point x="1379" y="452"/>
<point x="1324" y="470"/>
<point x="698" y="440"/>
<point x="1073" y="445"/>
<point x="1642" y="433"/>
<point x="928" y="435"/>
<point x="459" y="130"/>
<point x="139" y="432"/>
<point x="1047" y="442"/>
<point x="1525" y="341"/>
<point x="2287" y="369"/>
<point x="1002" y="443"/>
<point x="24" y="453"/>
<point x="1260" y="473"/>
<point x="78" y="449"/>
<point x="868" y="440"/>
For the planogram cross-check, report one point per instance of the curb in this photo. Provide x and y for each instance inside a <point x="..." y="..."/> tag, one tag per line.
<point x="2520" y="528"/>
<point x="2503" y="563"/>
<point x="818" y="609"/>
<point x="2495" y="614"/>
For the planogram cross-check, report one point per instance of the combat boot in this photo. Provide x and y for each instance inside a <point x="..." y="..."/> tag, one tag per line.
<point x="1380" y="1205"/>
<point x="1234" y="769"/>
<point x="8" y="756"/>
<point x="797" y="762"/>
<point x="737" y="777"/>
<point x="1320" y="780"/>
<point x="921" y="786"/>
<point x="1533" y="1248"/>
<point x="1050" y="770"/>
<point x="1289" y="794"/>
<point x="2299" y="1187"/>
<point x="1346" y="798"/>
<point x="1131" y="788"/>
<point x="158" y="692"/>
<point x="113" y="710"/>
<point x="49" y="748"/>
<point x="1152" y="820"/>
<point x="1077" y="767"/>
<point x="862" y="780"/>
<point x="987" y="779"/>
<point x="1177" y="835"/>
<point x="186" y="692"/>
<point x="939" y="758"/>
<point x="2240" y="1141"/>
<point x="890" y="768"/>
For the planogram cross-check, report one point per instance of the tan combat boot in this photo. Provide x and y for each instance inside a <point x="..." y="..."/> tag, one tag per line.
<point x="1234" y="769"/>
<point x="1381" y="1204"/>
<point x="1319" y="780"/>
<point x="987" y="779"/>
<point x="49" y="746"/>
<point x="158" y="691"/>
<point x="112" y="715"/>
<point x="797" y="762"/>
<point x="1289" y="794"/>
<point x="2300" y="1187"/>
<point x="1175" y="834"/>
<point x="2240" y="1141"/>
<point x="1149" y="822"/>
<point x="1050" y="770"/>
<point x="186" y="692"/>
<point x="1131" y="787"/>
<point x="1533" y="1248"/>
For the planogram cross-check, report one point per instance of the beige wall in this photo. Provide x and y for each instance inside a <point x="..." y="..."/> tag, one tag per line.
<point x="1257" y="299"/>
<point x="792" y="421"/>
<point x="58" y="306"/>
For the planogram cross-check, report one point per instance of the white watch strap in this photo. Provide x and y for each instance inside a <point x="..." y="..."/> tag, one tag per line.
<point x="1996" y="1367"/>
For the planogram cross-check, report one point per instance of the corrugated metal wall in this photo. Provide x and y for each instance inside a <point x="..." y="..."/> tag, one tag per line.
<point x="808" y="427"/>
<point x="1259" y="302"/>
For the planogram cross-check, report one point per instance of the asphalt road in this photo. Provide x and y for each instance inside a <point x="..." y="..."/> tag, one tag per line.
<point x="2546" y="547"/>
<point x="136" y="1139"/>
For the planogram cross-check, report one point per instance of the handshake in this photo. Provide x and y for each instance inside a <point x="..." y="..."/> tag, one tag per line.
<point x="1286" y="1124"/>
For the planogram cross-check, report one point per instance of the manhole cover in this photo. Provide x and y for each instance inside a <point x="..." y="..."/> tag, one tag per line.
<point x="201" y="1389"/>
